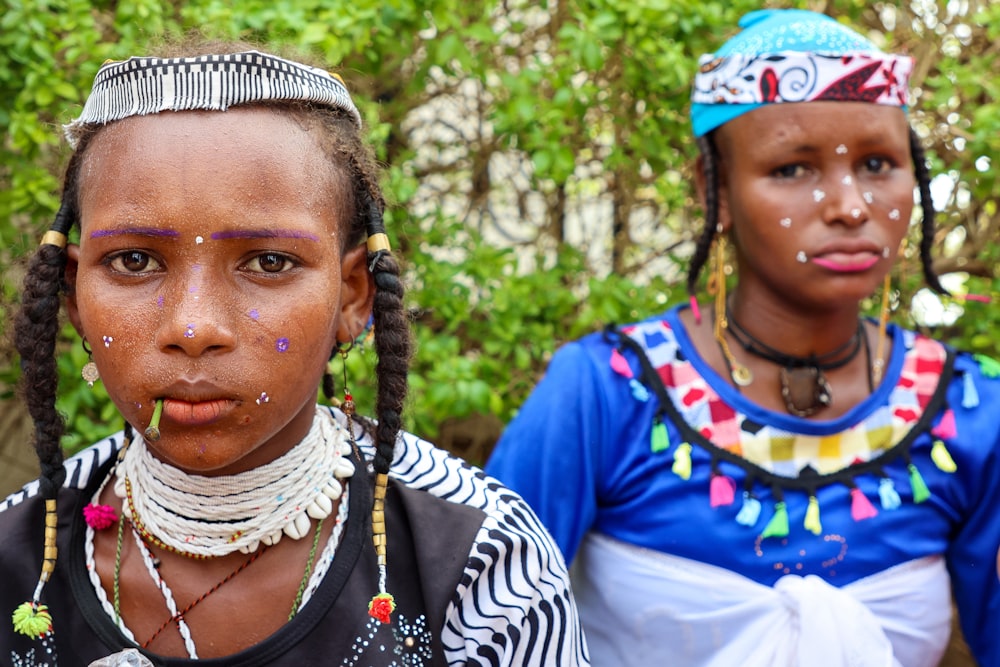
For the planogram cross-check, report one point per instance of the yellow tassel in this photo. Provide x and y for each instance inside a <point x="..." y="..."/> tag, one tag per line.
<point x="32" y="620"/>
<point x="812" y="523"/>
<point x="682" y="461"/>
<point x="942" y="458"/>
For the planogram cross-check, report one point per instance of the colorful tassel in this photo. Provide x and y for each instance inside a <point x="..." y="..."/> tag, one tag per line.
<point x="620" y="365"/>
<point x="888" y="495"/>
<point x="861" y="507"/>
<point x="942" y="458"/>
<point x="639" y="392"/>
<point x="659" y="440"/>
<point x="32" y="620"/>
<point x="778" y="525"/>
<point x="917" y="483"/>
<point x="750" y="511"/>
<point x="682" y="461"/>
<point x="988" y="366"/>
<point x="970" y="397"/>
<point x="381" y="607"/>
<point x="946" y="429"/>
<point x="721" y="491"/>
<point x="812" y="522"/>
<point x="99" y="517"/>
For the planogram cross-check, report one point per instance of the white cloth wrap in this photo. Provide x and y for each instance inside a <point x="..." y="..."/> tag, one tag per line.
<point x="642" y="607"/>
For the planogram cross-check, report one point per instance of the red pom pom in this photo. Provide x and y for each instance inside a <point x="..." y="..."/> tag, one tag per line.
<point x="381" y="607"/>
<point x="99" y="517"/>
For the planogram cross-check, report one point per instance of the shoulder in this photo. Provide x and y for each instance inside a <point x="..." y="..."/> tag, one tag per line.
<point x="80" y="470"/>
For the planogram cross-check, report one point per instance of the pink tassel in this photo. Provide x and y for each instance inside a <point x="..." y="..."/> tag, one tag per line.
<point x="620" y="365"/>
<point x="721" y="491"/>
<point x="861" y="507"/>
<point x="695" y="310"/>
<point x="946" y="429"/>
<point x="99" y="517"/>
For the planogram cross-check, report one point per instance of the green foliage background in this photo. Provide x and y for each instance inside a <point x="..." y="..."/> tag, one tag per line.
<point x="538" y="157"/>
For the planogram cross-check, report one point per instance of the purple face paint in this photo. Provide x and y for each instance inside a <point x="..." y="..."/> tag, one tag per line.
<point x="263" y="234"/>
<point x="254" y="315"/>
<point x="189" y="332"/>
<point x="134" y="231"/>
<point x="159" y="301"/>
<point x="281" y="345"/>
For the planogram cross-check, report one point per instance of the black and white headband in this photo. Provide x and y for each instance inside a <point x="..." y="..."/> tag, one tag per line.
<point x="144" y="85"/>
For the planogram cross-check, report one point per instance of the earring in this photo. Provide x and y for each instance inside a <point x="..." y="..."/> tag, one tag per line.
<point x="878" y="365"/>
<point x="348" y="403"/>
<point x="740" y="374"/>
<point x="89" y="371"/>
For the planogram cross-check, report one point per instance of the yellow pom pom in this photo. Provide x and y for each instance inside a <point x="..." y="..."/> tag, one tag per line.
<point x="32" y="621"/>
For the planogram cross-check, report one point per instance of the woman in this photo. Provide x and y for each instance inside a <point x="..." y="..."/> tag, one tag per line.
<point x="231" y="244"/>
<point x="778" y="481"/>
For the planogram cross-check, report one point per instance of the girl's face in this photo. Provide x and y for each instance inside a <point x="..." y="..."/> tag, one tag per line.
<point x="818" y="197"/>
<point x="210" y="275"/>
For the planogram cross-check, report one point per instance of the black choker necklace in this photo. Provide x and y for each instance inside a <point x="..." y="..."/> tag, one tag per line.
<point x="804" y="387"/>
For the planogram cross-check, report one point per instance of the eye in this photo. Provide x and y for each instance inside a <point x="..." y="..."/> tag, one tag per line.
<point x="269" y="262"/>
<point x="133" y="261"/>
<point x="789" y="171"/>
<point x="877" y="165"/>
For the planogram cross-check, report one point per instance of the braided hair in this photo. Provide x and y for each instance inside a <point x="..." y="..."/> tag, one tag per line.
<point x="709" y="161"/>
<point x="361" y="214"/>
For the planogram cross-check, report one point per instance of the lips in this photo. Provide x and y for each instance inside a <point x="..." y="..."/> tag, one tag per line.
<point x="196" y="403"/>
<point x="846" y="262"/>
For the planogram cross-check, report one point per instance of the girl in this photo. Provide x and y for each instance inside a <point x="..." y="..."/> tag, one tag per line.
<point x="222" y="203"/>
<point x="778" y="482"/>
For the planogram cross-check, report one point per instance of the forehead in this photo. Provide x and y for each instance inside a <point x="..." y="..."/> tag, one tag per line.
<point x="814" y="123"/>
<point x="241" y="153"/>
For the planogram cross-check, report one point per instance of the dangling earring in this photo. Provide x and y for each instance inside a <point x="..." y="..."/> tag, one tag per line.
<point x="878" y="365"/>
<point x="347" y="406"/>
<point x="89" y="371"/>
<point x="740" y="374"/>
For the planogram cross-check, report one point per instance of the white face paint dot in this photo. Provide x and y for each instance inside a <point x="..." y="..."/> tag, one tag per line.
<point x="818" y="195"/>
<point x="785" y="222"/>
<point x="847" y="180"/>
<point x="264" y="398"/>
<point x="199" y="240"/>
<point x="108" y="340"/>
<point x="885" y="252"/>
<point x="855" y="213"/>
<point x="868" y="197"/>
<point x="894" y="214"/>
<point x="801" y="257"/>
<point x="841" y="149"/>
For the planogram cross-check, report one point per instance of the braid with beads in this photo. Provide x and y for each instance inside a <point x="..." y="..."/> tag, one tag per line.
<point x="709" y="158"/>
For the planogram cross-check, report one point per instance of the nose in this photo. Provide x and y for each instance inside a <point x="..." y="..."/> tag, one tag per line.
<point x="844" y="202"/>
<point x="194" y="318"/>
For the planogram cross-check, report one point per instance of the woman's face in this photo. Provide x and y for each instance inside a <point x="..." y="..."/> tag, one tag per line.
<point x="210" y="275"/>
<point x="817" y="197"/>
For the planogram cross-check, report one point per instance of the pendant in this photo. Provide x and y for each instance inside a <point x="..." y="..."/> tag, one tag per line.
<point x="90" y="373"/>
<point x="741" y="375"/>
<point x="805" y="390"/>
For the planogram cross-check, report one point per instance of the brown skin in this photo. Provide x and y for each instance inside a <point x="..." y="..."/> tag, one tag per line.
<point x="772" y="161"/>
<point x="202" y="325"/>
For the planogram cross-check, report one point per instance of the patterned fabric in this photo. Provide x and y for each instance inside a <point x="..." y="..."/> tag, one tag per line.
<point x="512" y="605"/>
<point x="790" y="76"/>
<point x="140" y="86"/>
<point x="780" y="450"/>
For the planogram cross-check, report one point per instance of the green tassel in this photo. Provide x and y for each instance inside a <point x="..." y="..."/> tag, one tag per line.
<point x="942" y="459"/>
<point x="812" y="523"/>
<point x="32" y="620"/>
<point x="659" y="440"/>
<point x="919" y="486"/>
<point x="988" y="366"/>
<point x="778" y="525"/>
<point x="682" y="461"/>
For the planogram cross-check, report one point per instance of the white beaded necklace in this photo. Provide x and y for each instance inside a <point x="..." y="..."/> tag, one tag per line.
<point x="204" y="516"/>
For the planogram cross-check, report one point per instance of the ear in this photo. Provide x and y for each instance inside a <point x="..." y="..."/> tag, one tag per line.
<point x="357" y="293"/>
<point x="72" y="265"/>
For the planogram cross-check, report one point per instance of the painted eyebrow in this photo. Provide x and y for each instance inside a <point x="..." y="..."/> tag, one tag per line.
<point x="134" y="231"/>
<point x="263" y="234"/>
